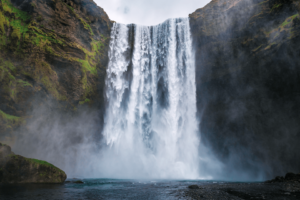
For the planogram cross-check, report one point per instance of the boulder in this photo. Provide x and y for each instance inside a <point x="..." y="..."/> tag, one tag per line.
<point x="288" y="178"/>
<point x="292" y="176"/>
<point x="18" y="169"/>
<point x="193" y="187"/>
<point x="78" y="182"/>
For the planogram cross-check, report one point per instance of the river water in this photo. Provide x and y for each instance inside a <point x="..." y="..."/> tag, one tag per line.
<point x="97" y="189"/>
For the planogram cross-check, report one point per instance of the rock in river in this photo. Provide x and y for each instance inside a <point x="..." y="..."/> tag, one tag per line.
<point x="18" y="169"/>
<point x="193" y="187"/>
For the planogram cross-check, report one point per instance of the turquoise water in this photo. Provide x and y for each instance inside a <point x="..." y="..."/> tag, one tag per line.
<point x="97" y="189"/>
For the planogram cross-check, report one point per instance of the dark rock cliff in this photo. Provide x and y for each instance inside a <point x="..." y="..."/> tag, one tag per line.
<point x="248" y="78"/>
<point x="50" y="50"/>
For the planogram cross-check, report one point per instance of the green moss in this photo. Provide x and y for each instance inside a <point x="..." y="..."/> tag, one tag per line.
<point x="275" y="6"/>
<point x="11" y="77"/>
<point x="44" y="73"/>
<point x="13" y="156"/>
<point x="86" y="65"/>
<point x="10" y="65"/>
<point x="85" y="101"/>
<point x="28" y="35"/>
<point x="17" y="21"/>
<point x="7" y="69"/>
<point x="24" y="83"/>
<point x="51" y="87"/>
<point x="33" y="5"/>
<point x="269" y="46"/>
<point x="8" y="117"/>
<point x="42" y="174"/>
<point x="3" y="22"/>
<point x="41" y="39"/>
<point x="18" y="26"/>
<point x="85" y="24"/>
<point x="3" y="40"/>
<point x="8" y="7"/>
<point x="37" y="162"/>
<point x="21" y="27"/>
<point x="9" y="122"/>
<point x="97" y="45"/>
<point x="289" y="20"/>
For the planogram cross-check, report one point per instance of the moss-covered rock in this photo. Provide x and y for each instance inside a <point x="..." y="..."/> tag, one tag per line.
<point x="54" y="50"/>
<point x="18" y="169"/>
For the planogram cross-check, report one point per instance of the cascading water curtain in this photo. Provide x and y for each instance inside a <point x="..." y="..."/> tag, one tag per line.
<point x="150" y="123"/>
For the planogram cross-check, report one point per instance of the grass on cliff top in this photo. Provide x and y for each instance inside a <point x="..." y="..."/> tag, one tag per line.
<point x="36" y="162"/>
<point x="41" y="162"/>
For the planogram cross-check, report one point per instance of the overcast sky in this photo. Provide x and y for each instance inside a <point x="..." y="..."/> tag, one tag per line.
<point x="148" y="12"/>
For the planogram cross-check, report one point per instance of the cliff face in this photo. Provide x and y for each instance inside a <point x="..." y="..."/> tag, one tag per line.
<point x="50" y="50"/>
<point x="247" y="56"/>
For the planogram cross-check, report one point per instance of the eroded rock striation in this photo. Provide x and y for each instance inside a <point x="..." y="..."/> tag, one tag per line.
<point x="18" y="169"/>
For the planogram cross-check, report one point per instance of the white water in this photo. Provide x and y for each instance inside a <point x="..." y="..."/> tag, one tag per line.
<point x="150" y="123"/>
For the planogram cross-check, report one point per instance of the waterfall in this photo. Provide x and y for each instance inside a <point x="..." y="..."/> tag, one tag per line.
<point x="150" y="128"/>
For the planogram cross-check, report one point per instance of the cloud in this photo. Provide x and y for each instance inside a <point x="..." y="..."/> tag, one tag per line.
<point x="146" y="12"/>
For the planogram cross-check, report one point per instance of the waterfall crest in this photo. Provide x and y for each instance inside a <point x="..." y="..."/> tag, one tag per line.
<point x="150" y="123"/>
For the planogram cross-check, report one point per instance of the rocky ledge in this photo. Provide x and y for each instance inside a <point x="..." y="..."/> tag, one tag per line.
<point x="18" y="169"/>
<point x="289" y="177"/>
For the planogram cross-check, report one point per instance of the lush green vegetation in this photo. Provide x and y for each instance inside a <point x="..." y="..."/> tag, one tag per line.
<point x="10" y="83"/>
<point x="85" y="101"/>
<point x="8" y="117"/>
<point x="27" y="33"/>
<point x="9" y="121"/>
<point x="39" y="162"/>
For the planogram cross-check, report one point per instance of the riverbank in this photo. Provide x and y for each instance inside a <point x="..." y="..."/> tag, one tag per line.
<point x="237" y="191"/>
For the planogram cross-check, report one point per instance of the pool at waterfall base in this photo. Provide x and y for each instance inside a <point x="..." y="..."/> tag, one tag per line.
<point x="92" y="189"/>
